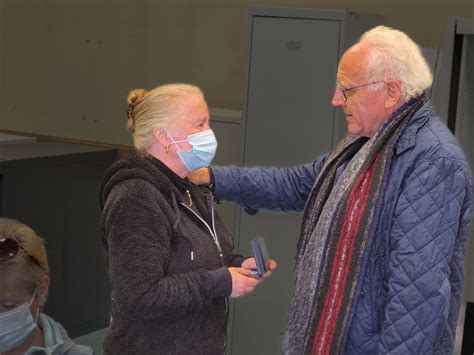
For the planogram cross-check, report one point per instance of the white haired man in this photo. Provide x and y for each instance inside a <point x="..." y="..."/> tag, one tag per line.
<point x="379" y="266"/>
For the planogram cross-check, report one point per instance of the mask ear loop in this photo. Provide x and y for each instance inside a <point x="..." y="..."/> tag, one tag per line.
<point x="31" y="302"/>
<point x="32" y="298"/>
<point x="37" y="314"/>
<point x="174" y="142"/>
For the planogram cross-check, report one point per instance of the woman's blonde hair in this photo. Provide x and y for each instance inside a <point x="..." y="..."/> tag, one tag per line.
<point x="30" y="264"/>
<point x="157" y="108"/>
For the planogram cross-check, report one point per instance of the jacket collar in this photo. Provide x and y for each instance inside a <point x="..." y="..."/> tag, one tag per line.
<point x="55" y="340"/>
<point x="182" y="184"/>
<point x="419" y="119"/>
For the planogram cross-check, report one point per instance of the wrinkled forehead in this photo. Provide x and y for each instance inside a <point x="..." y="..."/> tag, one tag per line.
<point x="352" y="67"/>
<point x="182" y="108"/>
<point x="188" y="104"/>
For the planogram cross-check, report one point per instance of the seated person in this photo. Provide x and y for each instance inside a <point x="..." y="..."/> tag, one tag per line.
<point x="24" y="284"/>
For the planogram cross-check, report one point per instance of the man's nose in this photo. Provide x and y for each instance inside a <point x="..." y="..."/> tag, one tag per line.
<point x="337" y="98"/>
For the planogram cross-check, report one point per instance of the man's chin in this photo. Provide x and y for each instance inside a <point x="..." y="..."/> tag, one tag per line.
<point x="353" y="131"/>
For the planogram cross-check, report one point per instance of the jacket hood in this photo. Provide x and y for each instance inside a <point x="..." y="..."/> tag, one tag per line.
<point x="144" y="167"/>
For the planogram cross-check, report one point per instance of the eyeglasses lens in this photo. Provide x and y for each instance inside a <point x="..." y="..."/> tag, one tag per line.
<point x="8" y="248"/>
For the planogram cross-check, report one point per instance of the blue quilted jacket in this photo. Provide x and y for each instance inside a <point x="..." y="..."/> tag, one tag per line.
<point x="411" y="292"/>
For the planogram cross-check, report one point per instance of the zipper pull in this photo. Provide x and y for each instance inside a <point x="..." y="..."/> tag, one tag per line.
<point x="189" y="198"/>
<point x="192" y="255"/>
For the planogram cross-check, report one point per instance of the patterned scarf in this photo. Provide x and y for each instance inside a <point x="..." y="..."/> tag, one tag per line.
<point x="339" y="222"/>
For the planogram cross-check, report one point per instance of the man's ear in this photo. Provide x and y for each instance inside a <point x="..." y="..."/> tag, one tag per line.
<point x="161" y="136"/>
<point x="393" y="93"/>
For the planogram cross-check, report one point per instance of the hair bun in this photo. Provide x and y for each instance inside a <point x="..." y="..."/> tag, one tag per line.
<point x="134" y="97"/>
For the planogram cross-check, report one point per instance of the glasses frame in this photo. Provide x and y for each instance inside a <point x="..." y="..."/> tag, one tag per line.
<point x="343" y="90"/>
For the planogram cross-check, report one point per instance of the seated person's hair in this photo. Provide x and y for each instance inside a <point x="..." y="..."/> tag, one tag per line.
<point x="30" y="264"/>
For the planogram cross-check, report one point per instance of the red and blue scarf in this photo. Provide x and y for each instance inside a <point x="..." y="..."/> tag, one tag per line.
<point x="339" y="221"/>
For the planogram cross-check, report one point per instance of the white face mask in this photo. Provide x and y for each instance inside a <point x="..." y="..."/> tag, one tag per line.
<point x="16" y="325"/>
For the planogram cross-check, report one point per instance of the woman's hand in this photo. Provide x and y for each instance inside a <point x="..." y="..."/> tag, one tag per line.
<point x="200" y="176"/>
<point x="241" y="282"/>
<point x="250" y="264"/>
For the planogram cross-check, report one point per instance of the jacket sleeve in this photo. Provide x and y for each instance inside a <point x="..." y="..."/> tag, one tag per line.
<point x="424" y="238"/>
<point x="138" y="238"/>
<point x="278" y="189"/>
<point x="237" y="260"/>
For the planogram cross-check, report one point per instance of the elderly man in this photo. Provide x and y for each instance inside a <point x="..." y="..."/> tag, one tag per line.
<point x="379" y="265"/>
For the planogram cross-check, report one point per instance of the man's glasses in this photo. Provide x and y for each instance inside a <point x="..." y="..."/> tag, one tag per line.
<point x="9" y="248"/>
<point x="344" y="90"/>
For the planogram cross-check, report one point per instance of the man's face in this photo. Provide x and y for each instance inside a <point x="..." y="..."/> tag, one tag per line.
<point x="364" y="109"/>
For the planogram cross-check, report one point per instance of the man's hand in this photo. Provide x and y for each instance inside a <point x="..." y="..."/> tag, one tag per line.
<point x="200" y="176"/>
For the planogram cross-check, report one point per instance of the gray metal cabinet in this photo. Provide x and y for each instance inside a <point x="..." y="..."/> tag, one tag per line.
<point x="226" y="126"/>
<point x="433" y="56"/>
<point x="54" y="188"/>
<point x="288" y="119"/>
<point x="455" y="99"/>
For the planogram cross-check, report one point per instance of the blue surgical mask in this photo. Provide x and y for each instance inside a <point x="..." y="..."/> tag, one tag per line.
<point x="204" y="148"/>
<point x="16" y="325"/>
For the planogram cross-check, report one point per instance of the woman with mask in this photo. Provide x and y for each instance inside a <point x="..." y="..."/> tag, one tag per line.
<point x="170" y="257"/>
<point x="24" y="283"/>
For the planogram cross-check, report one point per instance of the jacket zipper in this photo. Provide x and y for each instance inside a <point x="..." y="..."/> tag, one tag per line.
<point x="221" y="254"/>
<point x="211" y="231"/>
<point x="210" y="202"/>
